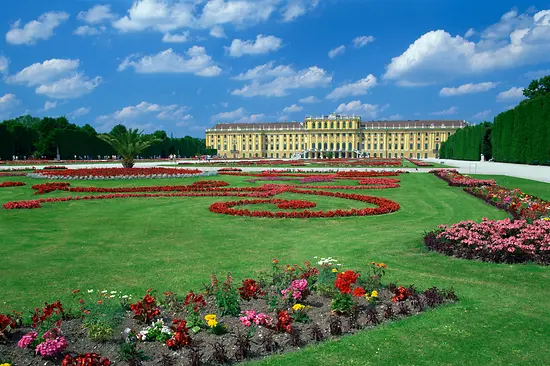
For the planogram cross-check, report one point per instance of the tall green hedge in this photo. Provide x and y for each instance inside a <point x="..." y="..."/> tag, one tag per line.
<point x="468" y="143"/>
<point x="520" y="135"/>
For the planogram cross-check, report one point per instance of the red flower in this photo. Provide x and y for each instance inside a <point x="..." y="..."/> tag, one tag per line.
<point x="358" y="292"/>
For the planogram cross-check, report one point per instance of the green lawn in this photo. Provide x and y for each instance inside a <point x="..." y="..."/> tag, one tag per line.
<point x="175" y="243"/>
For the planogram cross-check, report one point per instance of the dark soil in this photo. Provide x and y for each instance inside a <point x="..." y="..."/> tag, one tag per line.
<point x="262" y="343"/>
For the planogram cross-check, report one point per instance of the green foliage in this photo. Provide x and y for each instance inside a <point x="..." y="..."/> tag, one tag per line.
<point x="342" y="303"/>
<point x="227" y="298"/>
<point x="29" y="136"/>
<point x="538" y="88"/>
<point x="100" y="331"/>
<point x="522" y="135"/>
<point x="468" y="143"/>
<point x="130" y="353"/>
<point x="128" y="144"/>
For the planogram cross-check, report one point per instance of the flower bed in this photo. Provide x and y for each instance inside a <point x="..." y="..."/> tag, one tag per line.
<point x="119" y="173"/>
<point x="11" y="184"/>
<point x="517" y="203"/>
<point x="229" y="170"/>
<point x="384" y="206"/>
<point x="456" y="179"/>
<point x="285" y="308"/>
<point x="503" y="241"/>
<point x="419" y="162"/>
<point x="203" y="185"/>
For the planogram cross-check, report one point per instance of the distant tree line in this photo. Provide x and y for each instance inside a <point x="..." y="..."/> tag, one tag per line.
<point x="519" y="135"/>
<point x="28" y="136"/>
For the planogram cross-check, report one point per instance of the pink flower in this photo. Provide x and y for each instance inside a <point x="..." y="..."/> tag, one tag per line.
<point x="27" y="339"/>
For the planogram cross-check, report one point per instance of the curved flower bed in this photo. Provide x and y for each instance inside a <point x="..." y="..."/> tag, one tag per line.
<point x="384" y="206"/>
<point x="232" y="321"/>
<point x="11" y="184"/>
<point x="54" y="167"/>
<point x="517" y="203"/>
<point x="119" y="173"/>
<point x="456" y="179"/>
<point x="503" y="241"/>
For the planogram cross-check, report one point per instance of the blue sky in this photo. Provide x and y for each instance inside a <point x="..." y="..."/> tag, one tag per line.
<point x="184" y="65"/>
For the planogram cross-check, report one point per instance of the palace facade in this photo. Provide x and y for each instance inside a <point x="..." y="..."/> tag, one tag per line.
<point x="333" y="136"/>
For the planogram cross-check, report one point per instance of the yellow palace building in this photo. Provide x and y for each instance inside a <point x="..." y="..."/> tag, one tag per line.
<point x="333" y="136"/>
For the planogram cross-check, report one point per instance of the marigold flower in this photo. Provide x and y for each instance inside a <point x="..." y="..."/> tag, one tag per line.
<point x="298" y="307"/>
<point x="334" y="270"/>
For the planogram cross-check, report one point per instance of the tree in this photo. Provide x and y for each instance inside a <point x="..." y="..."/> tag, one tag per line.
<point x="538" y="87"/>
<point x="128" y="143"/>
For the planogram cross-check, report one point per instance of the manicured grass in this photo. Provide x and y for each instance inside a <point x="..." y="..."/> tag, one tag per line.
<point x="175" y="243"/>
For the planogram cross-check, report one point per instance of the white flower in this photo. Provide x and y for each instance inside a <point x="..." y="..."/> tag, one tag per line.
<point x="124" y="296"/>
<point x="90" y="291"/>
<point x="111" y="296"/>
<point x="113" y="292"/>
<point x="104" y="291"/>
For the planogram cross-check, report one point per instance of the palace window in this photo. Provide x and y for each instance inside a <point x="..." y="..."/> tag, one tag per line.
<point x="368" y="146"/>
<point x="375" y="146"/>
<point x="436" y="147"/>
<point x="410" y="146"/>
<point x="395" y="146"/>
<point x="425" y="146"/>
<point x="350" y="146"/>
<point x="417" y="146"/>
<point x="381" y="146"/>
<point x="332" y="146"/>
<point x="426" y="156"/>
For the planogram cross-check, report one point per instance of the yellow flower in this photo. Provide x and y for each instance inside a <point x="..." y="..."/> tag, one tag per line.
<point x="298" y="307"/>
<point x="210" y="317"/>
<point x="334" y="270"/>
<point x="212" y="323"/>
<point x="5" y="364"/>
<point x="374" y="294"/>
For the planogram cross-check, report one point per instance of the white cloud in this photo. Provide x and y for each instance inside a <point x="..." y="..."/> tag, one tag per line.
<point x="359" y="87"/>
<point x="79" y="112"/>
<point x="362" y="41"/>
<point x="337" y="51"/>
<point x="70" y="87"/>
<point x="36" y="30"/>
<point x="239" y="12"/>
<point x="356" y="107"/>
<point x="8" y="101"/>
<point x="297" y="8"/>
<point x="141" y="115"/>
<point x="262" y="44"/>
<point x="4" y="65"/>
<point x="470" y="33"/>
<point x="229" y="116"/>
<point x="452" y="110"/>
<point x="197" y="62"/>
<point x="512" y="93"/>
<point x="537" y="74"/>
<point x="309" y="100"/>
<point x="217" y="32"/>
<point x="238" y="115"/>
<point x="293" y="109"/>
<point x="467" y="89"/>
<point x="86" y="30"/>
<point x="47" y="71"/>
<point x="97" y="14"/>
<point x="159" y="15"/>
<point x="482" y="115"/>
<point x="49" y="105"/>
<point x="396" y="117"/>
<point x="517" y="40"/>
<point x="165" y="15"/>
<point x="56" y="78"/>
<point x="312" y="77"/>
<point x="175" y="38"/>
<point x="266" y="71"/>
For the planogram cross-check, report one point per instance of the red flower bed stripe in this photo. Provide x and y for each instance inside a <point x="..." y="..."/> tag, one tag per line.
<point x="11" y="184"/>
<point x="419" y="162"/>
<point x="115" y="172"/>
<point x="456" y="179"/>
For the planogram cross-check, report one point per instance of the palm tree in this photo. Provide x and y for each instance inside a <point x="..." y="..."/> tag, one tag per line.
<point x="128" y="143"/>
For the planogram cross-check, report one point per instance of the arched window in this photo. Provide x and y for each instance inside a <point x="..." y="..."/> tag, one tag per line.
<point x="338" y="124"/>
<point x="332" y="146"/>
<point x="331" y="124"/>
<point x="337" y="146"/>
<point x="325" y="146"/>
<point x="319" y="146"/>
<point x="325" y="125"/>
